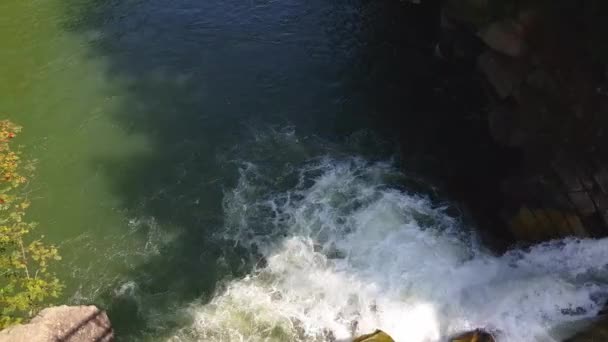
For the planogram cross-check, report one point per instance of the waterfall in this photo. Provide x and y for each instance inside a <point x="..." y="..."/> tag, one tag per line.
<point x="342" y="251"/>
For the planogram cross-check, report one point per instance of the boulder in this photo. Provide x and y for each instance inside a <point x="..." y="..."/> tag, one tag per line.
<point x="505" y="37"/>
<point x="504" y="74"/>
<point x="471" y="336"/>
<point x="601" y="178"/>
<point x="504" y="125"/>
<point x="538" y="224"/>
<point x="467" y="12"/>
<point x="583" y="202"/>
<point x="376" y="336"/>
<point x="63" y="323"/>
<point x="474" y="336"/>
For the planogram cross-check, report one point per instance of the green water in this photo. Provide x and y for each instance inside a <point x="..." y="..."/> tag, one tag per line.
<point x="53" y="86"/>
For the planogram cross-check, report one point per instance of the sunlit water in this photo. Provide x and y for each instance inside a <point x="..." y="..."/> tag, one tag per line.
<point x="209" y="172"/>
<point x="343" y="253"/>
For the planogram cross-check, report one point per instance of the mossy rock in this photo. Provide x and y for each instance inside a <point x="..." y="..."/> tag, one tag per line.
<point x="376" y="336"/>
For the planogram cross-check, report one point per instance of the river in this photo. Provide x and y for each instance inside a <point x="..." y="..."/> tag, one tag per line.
<point x="226" y="171"/>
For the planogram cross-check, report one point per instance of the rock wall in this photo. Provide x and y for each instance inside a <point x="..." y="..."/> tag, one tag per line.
<point x="63" y="324"/>
<point x="543" y="63"/>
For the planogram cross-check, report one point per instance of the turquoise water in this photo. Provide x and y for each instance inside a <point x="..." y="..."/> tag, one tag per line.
<point x="187" y="149"/>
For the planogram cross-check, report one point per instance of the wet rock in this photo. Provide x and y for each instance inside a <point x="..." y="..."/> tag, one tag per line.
<point x="542" y="80"/>
<point x="542" y="64"/>
<point x="601" y="178"/>
<point x="376" y="336"/>
<point x="568" y="176"/>
<point x="505" y="75"/>
<point x="505" y="37"/>
<point x="458" y="44"/>
<point x="604" y="215"/>
<point x="474" y="336"/>
<point x="65" y="324"/>
<point x="601" y="203"/>
<point x="596" y="332"/>
<point x="583" y="202"/>
<point x="504" y="126"/>
<point x="466" y="12"/>
<point x="540" y="224"/>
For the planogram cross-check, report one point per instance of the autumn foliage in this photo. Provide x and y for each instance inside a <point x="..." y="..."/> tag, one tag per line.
<point x="25" y="280"/>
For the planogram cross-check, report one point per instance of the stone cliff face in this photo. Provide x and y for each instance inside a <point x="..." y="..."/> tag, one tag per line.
<point x="65" y="324"/>
<point x="545" y="68"/>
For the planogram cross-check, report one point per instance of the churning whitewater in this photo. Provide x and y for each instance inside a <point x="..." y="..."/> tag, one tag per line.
<point x="342" y="250"/>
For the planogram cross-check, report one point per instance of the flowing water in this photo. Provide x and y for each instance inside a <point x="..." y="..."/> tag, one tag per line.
<point x="213" y="171"/>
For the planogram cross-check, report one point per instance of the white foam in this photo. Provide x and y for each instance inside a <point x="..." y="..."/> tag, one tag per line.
<point x="346" y="254"/>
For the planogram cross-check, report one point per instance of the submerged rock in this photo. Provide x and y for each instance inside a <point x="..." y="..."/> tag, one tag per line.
<point x="596" y="332"/>
<point x="63" y="323"/>
<point x="471" y="336"/>
<point x="474" y="336"/>
<point x="376" y="336"/>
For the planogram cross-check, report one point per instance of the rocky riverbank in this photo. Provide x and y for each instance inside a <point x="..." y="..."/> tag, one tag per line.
<point x="65" y="324"/>
<point x="543" y="64"/>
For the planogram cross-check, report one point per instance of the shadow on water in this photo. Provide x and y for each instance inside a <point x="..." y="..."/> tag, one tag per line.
<point x="195" y="76"/>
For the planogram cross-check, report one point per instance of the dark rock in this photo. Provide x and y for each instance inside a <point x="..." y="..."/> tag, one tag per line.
<point x="601" y="178"/>
<point x="467" y="12"/>
<point x="504" y="74"/>
<point x="568" y="177"/>
<point x="504" y="127"/>
<point x="474" y="336"/>
<point x="505" y="37"/>
<point x="548" y="106"/>
<point x="540" y="224"/>
<point x="583" y="202"/>
<point x="542" y="80"/>
<point x="596" y="332"/>
<point x="458" y="43"/>
<point x="604" y="216"/>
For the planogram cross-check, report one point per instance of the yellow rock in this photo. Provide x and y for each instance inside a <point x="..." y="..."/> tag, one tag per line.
<point x="376" y="336"/>
<point x="474" y="336"/>
<point x="471" y="336"/>
<point x="542" y="224"/>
